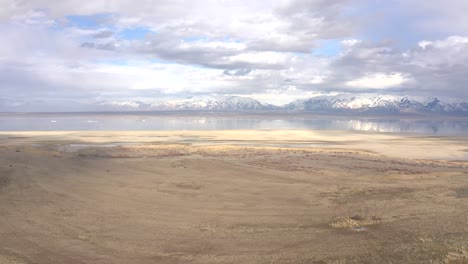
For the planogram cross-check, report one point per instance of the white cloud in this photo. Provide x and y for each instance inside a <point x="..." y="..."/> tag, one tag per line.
<point x="266" y="58"/>
<point x="350" y="42"/>
<point x="450" y="42"/>
<point x="124" y="104"/>
<point x="212" y="45"/>
<point x="263" y="49"/>
<point x="378" y="81"/>
<point x="441" y="53"/>
<point x="423" y="44"/>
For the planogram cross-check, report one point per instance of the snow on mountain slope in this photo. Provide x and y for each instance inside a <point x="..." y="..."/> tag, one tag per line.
<point x="383" y="104"/>
<point x="352" y="104"/>
<point x="219" y="103"/>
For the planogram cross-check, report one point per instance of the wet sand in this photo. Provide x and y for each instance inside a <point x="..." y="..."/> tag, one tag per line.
<point x="232" y="197"/>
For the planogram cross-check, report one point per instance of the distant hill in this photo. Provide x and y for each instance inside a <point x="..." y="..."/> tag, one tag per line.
<point x="215" y="103"/>
<point x="381" y="104"/>
<point x="339" y="104"/>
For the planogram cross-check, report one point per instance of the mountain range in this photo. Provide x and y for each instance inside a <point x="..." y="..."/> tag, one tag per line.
<point x="215" y="103"/>
<point x="335" y="105"/>
<point x="380" y="104"/>
<point x="340" y="104"/>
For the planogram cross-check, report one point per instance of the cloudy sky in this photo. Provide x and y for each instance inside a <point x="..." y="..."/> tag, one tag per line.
<point x="74" y="54"/>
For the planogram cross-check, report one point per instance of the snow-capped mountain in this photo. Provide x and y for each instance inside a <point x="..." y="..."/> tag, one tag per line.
<point x="369" y="104"/>
<point x="122" y="106"/>
<point x="215" y="103"/>
<point x="381" y="104"/>
<point x="339" y="104"/>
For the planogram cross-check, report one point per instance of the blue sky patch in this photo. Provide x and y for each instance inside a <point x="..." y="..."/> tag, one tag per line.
<point x="328" y="48"/>
<point x="134" y="33"/>
<point x="91" y="21"/>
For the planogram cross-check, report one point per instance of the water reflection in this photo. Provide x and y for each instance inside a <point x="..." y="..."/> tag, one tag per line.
<point x="111" y="122"/>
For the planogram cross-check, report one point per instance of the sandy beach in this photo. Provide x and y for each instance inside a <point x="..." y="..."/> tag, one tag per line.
<point x="286" y="196"/>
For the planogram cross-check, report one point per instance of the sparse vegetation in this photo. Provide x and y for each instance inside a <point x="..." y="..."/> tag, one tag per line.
<point x="461" y="192"/>
<point x="354" y="221"/>
<point x="168" y="203"/>
<point x="4" y="180"/>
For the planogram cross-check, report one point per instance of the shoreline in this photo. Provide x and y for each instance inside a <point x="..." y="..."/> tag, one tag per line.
<point x="386" y="144"/>
<point x="230" y="114"/>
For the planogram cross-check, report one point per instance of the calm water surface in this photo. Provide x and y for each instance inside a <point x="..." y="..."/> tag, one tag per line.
<point x="438" y="127"/>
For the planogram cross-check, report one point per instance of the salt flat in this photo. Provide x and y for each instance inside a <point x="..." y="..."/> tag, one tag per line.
<point x="286" y="196"/>
<point x="389" y="144"/>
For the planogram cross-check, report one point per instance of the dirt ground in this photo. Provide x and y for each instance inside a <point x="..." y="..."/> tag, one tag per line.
<point x="174" y="201"/>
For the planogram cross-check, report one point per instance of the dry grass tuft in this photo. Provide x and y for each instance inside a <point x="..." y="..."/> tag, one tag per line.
<point x="354" y="221"/>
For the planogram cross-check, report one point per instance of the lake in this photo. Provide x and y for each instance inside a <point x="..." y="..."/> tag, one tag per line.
<point x="109" y="122"/>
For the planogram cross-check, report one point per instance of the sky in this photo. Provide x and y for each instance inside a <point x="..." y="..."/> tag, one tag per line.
<point x="76" y="55"/>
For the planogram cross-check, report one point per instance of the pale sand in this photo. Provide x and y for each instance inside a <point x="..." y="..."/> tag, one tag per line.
<point x="394" y="145"/>
<point x="232" y="197"/>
